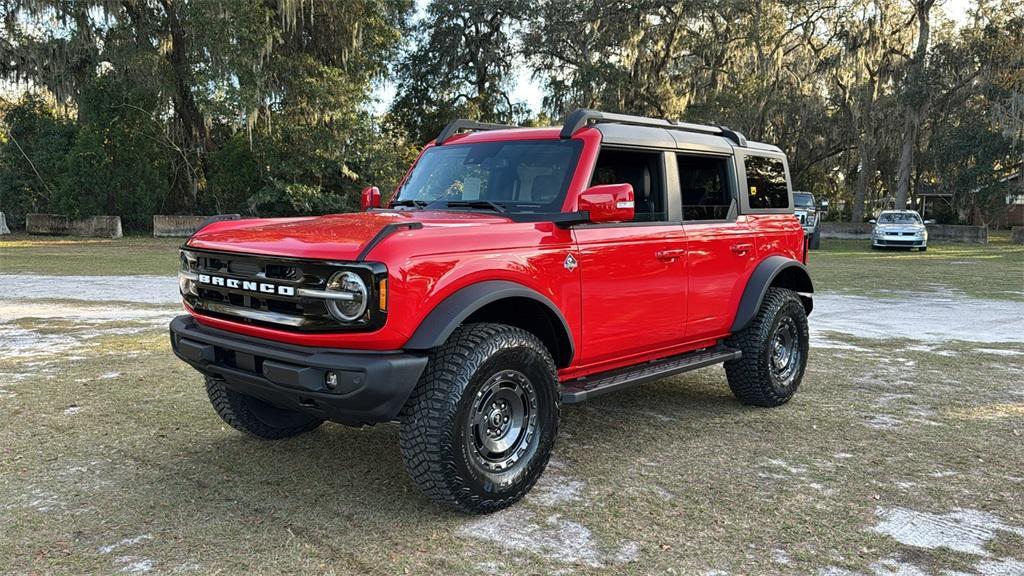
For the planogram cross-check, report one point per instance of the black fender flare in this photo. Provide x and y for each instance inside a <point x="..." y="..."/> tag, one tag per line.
<point x="439" y="324"/>
<point x="789" y="273"/>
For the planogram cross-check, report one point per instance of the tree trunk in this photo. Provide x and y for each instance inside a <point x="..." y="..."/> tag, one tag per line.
<point x="916" y="104"/>
<point x="864" y="177"/>
<point x="906" y="162"/>
<point x="195" y="138"/>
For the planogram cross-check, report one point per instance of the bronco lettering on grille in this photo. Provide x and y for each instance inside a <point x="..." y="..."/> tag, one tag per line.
<point x="247" y="285"/>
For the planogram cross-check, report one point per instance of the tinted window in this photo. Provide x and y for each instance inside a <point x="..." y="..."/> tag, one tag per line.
<point x="803" y="199"/>
<point x="526" y="176"/>
<point x="642" y="170"/>
<point x="705" y="187"/>
<point x="766" y="182"/>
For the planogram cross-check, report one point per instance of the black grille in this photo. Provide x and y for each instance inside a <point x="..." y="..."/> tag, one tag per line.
<point x="241" y="303"/>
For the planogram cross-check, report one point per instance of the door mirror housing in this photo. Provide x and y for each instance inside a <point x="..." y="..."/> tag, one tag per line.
<point x="370" y="198"/>
<point x="872" y="221"/>
<point x="607" y="203"/>
<point x="929" y="221"/>
<point x="824" y="204"/>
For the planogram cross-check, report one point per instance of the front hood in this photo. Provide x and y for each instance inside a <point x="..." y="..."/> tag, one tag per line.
<point x="334" y="237"/>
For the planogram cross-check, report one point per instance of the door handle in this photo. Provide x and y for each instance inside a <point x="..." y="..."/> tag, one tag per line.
<point x="669" y="254"/>
<point x="741" y="249"/>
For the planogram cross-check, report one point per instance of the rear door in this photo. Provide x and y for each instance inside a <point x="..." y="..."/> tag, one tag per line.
<point x="720" y="244"/>
<point x="633" y="273"/>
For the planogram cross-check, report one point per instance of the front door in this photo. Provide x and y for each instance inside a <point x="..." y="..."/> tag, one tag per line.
<point x="633" y="274"/>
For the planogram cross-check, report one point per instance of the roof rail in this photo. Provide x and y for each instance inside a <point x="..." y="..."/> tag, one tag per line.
<point x="582" y="117"/>
<point x="463" y="125"/>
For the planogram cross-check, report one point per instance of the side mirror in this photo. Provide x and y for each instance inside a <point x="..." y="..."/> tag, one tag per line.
<point x="824" y="204"/>
<point x="929" y="221"/>
<point x="872" y="221"/>
<point x="370" y="198"/>
<point x="607" y="203"/>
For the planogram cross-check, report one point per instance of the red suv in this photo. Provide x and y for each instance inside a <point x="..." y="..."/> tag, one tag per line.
<point x="514" y="270"/>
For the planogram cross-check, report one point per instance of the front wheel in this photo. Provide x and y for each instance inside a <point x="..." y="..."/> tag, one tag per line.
<point x="774" y="351"/>
<point x="478" y="429"/>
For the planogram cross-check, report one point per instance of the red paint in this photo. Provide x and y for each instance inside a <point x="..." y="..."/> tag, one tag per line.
<point x="369" y="198"/>
<point x="607" y="203"/>
<point x="639" y="292"/>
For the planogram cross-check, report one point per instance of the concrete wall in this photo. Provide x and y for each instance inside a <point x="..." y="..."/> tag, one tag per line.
<point x="61" y="225"/>
<point x="3" y="225"/>
<point x="845" y="229"/>
<point x="1017" y="235"/>
<point x="962" y="234"/>
<point x="97" y="227"/>
<point x="184" y="226"/>
<point x="940" y="232"/>
<point x="49" y="224"/>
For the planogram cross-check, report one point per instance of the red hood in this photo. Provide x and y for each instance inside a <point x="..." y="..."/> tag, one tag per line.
<point x="332" y="237"/>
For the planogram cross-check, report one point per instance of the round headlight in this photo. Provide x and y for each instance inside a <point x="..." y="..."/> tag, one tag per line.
<point x="186" y="275"/>
<point x="348" y="310"/>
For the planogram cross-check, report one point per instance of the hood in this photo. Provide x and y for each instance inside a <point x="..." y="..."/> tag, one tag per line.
<point x="899" y="227"/>
<point x="333" y="237"/>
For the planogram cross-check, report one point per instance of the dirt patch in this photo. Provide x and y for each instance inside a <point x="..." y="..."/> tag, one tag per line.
<point x="928" y="316"/>
<point x="137" y="289"/>
<point x="961" y="530"/>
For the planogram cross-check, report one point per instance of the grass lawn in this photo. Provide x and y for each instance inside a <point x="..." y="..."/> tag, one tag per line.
<point x="896" y="455"/>
<point x="994" y="270"/>
<point x="24" y="254"/>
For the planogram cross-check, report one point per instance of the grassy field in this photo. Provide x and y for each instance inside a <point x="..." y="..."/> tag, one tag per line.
<point x="23" y="254"/>
<point x="896" y="455"/>
<point x="994" y="270"/>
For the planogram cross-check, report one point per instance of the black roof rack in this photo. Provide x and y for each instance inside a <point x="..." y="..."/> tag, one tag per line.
<point x="582" y="117"/>
<point x="463" y="125"/>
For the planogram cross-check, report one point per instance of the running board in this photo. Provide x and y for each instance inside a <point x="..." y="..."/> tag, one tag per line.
<point x="576" y="391"/>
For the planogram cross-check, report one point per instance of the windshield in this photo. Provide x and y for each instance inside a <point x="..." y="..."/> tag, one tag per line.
<point x="899" y="218"/>
<point x="516" y="176"/>
<point x="803" y="199"/>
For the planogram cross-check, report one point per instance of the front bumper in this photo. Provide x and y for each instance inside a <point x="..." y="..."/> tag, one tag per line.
<point x="371" y="386"/>
<point x="899" y="242"/>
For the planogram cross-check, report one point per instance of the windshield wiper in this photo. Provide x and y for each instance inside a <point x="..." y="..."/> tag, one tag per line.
<point x="413" y="203"/>
<point x="473" y="204"/>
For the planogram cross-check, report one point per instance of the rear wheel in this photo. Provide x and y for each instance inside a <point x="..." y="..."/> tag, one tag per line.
<point x="478" y="430"/>
<point x="775" y="346"/>
<point x="256" y="417"/>
<point x="815" y="241"/>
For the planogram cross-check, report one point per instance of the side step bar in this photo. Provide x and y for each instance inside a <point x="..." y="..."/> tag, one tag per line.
<point x="576" y="391"/>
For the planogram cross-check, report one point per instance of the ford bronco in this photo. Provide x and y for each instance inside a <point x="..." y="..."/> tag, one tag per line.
<point x="514" y="270"/>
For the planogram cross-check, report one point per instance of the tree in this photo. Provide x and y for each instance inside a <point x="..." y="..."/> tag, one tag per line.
<point x="460" y="65"/>
<point x="295" y="77"/>
<point x="915" y="99"/>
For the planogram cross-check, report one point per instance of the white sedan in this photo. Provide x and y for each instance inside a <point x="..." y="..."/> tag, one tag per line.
<point x="899" y="229"/>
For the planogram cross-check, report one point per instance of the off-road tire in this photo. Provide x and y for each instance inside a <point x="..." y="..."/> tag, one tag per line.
<point x="751" y="377"/>
<point x="437" y="431"/>
<point x="254" y="416"/>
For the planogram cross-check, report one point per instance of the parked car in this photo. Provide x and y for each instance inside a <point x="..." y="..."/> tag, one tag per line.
<point x="899" y="229"/>
<point x="806" y="211"/>
<point x="513" y="271"/>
